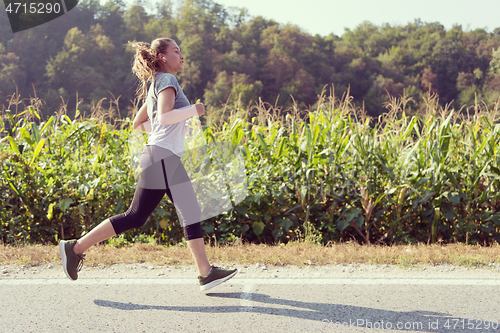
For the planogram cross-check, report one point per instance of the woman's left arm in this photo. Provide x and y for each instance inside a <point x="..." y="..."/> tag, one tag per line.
<point x="168" y="115"/>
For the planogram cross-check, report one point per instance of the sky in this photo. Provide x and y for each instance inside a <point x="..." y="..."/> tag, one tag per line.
<point x="324" y="17"/>
<point x="332" y="16"/>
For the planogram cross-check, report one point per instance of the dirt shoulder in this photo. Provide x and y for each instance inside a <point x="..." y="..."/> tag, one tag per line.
<point x="299" y="260"/>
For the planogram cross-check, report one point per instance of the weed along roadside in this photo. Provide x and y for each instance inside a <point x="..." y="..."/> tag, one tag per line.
<point x="299" y="254"/>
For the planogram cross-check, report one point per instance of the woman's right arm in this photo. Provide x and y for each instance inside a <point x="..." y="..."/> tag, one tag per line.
<point x="141" y="121"/>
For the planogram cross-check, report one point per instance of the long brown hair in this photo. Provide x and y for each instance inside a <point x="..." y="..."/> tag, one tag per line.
<point x="146" y="62"/>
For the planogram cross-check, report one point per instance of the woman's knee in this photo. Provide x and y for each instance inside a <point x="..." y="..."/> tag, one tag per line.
<point x="128" y="220"/>
<point x="193" y="231"/>
<point x="137" y="220"/>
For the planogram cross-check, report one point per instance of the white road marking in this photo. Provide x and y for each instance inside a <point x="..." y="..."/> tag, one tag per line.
<point x="248" y="283"/>
<point x="246" y="298"/>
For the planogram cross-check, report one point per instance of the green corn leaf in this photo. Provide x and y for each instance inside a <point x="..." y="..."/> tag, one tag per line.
<point x="26" y="136"/>
<point x="304" y="190"/>
<point x="409" y="128"/>
<point x="445" y="145"/>
<point x="280" y="148"/>
<point x="47" y="124"/>
<point x="209" y="135"/>
<point x="478" y="151"/>
<point x="237" y="136"/>
<point x="13" y="187"/>
<point x="263" y="146"/>
<point x="445" y="123"/>
<point x="379" y="198"/>
<point x="309" y="139"/>
<point x="411" y="152"/>
<point x="294" y="128"/>
<point x="13" y="145"/>
<point x="36" y="132"/>
<point x="430" y="128"/>
<point x="206" y="163"/>
<point x="68" y="119"/>
<point x="453" y="180"/>
<point x="487" y="121"/>
<point x="11" y="119"/>
<point x="38" y="148"/>
<point x="236" y="125"/>
<point x="481" y="174"/>
<point x="277" y="135"/>
<point x="272" y="135"/>
<point x="33" y="111"/>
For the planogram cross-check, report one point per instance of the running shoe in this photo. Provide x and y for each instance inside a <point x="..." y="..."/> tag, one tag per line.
<point x="215" y="277"/>
<point x="71" y="262"/>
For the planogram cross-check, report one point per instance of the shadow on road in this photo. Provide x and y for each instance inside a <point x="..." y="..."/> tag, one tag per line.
<point x="325" y="315"/>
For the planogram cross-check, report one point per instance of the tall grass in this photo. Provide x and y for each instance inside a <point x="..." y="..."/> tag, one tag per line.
<point x="339" y="175"/>
<point x="325" y="174"/>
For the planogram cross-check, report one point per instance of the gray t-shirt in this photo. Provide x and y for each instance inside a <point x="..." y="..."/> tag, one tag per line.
<point x="166" y="136"/>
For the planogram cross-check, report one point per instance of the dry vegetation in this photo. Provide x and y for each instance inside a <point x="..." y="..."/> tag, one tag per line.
<point x="297" y="253"/>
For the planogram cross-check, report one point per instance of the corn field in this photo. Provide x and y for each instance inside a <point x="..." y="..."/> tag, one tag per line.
<point x="325" y="175"/>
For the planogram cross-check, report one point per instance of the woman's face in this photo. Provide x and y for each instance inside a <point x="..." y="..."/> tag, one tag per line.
<point x="174" y="59"/>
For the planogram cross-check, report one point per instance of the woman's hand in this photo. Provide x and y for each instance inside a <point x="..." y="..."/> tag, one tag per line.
<point x="200" y="109"/>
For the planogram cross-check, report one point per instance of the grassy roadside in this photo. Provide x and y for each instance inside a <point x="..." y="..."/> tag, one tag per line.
<point x="298" y="253"/>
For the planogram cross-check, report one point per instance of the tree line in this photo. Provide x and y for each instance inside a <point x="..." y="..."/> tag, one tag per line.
<point x="237" y="59"/>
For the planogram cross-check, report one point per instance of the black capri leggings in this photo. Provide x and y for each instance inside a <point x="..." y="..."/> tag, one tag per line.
<point x="146" y="200"/>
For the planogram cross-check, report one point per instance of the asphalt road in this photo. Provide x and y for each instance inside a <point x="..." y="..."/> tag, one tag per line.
<point x="101" y="301"/>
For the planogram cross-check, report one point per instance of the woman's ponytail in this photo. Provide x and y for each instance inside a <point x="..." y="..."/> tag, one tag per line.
<point x="146" y="62"/>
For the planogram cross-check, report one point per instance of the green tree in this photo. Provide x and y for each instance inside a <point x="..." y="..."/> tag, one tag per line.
<point x="10" y="73"/>
<point x="200" y="21"/>
<point x="232" y="89"/>
<point x="111" y="18"/>
<point x="492" y="85"/>
<point x="218" y="92"/>
<point x="81" y="66"/>
<point x="243" y="91"/>
<point x="135" y="18"/>
<point x="494" y="67"/>
<point x="445" y="62"/>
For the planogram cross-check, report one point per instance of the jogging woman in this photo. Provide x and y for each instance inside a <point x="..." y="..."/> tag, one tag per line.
<point x="163" y="115"/>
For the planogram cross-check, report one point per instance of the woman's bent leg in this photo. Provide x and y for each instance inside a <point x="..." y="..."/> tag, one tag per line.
<point x="100" y="233"/>
<point x="143" y="204"/>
